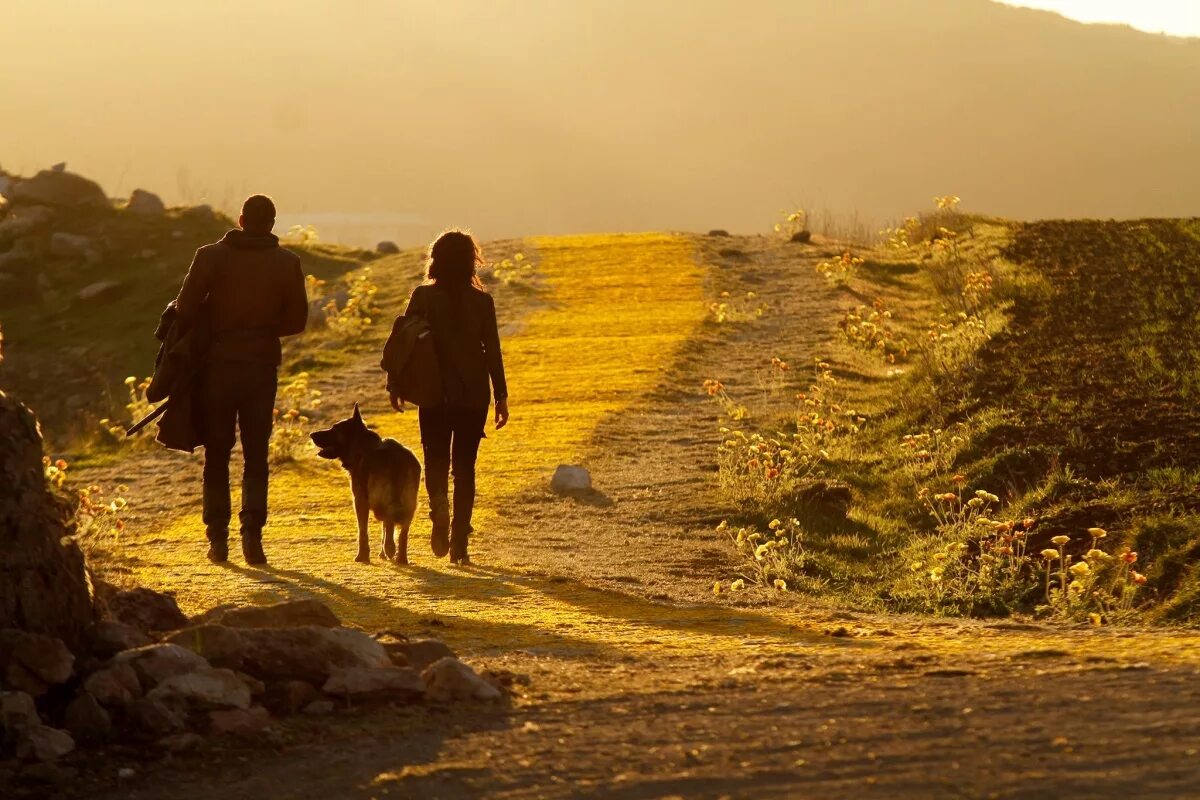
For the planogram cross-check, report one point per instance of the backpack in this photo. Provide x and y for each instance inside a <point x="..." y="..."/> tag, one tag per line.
<point x="411" y="362"/>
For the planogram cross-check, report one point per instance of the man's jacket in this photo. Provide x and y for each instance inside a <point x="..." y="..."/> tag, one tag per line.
<point x="177" y="377"/>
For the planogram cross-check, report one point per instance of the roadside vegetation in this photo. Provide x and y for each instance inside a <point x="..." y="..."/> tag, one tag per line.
<point x="1005" y="423"/>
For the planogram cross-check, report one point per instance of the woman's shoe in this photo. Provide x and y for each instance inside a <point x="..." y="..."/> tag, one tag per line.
<point x="458" y="547"/>
<point x="218" y="545"/>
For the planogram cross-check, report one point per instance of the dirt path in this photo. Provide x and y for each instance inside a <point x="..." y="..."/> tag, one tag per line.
<point x="641" y="684"/>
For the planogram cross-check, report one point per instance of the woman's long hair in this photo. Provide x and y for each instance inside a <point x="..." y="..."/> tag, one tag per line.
<point x="454" y="260"/>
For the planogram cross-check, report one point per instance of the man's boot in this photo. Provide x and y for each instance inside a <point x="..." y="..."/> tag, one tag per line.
<point x="218" y="544"/>
<point x="458" y="546"/>
<point x="439" y="514"/>
<point x="252" y="549"/>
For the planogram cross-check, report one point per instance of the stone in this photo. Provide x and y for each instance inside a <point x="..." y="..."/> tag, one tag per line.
<point x="289" y="697"/>
<point x="115" y="686"/>
<point x="17" y="713"/>
<point x="801" y="237"/>
<point x="22" y="221"/>
<point x="59" y="188"/>
<point x="718" y="232"/>
<point x="43" y="743"/>
<point x="86" y="719"/>
<point x="288" y="614"/>
<point x="110" y="637"/>
<point x="208" y="687"/>
<point x="420" y="653"/>
<point x="45" y="658"/>
<point x="147" y="610"/>
<point x="154" y="663"/>
<point x="101" y="290"/>
<point x="319" y="708"/>
<point x="155" y="717"/>
<point x="238" y="721"/>
<point x="451" y="680"/>
<point x="47" y="774"/>
<point x="4" y="206"/>
<point x="309" y="653"/>
<point x="180" y="742"/>
<point x="145" y="204"/>
<point x="569" y="478"/>
<point x="255" y="686"/>
<point x="71" y="245"/>
<point x="358" y="682"/>
<point x="387" y="248"/>
<point x="202" y="213"/>
<point x="6" y="183"/>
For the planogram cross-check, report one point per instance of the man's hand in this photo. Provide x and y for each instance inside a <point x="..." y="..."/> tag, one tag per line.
<point x="501" y="413"/>
<point x="397" y="402"/>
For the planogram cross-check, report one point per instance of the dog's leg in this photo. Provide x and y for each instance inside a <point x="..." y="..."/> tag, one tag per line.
<point x="362" y="511"/>
<point x="389" y="541"/>
<point x="402" y="553"/>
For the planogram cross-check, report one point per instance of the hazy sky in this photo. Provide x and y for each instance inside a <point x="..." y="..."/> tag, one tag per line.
<point x="1174" y="17"/>
<point x="551" y="116"/>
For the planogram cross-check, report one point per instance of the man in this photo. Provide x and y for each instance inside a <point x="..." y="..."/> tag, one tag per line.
<point x="251" y="292"/>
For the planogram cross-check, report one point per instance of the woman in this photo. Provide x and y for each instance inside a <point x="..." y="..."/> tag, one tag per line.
<point x="462" y="317"/>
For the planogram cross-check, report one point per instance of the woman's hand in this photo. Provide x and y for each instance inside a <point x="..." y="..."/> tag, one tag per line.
<point x="396" y="401"/>
<point x="501" y="413"/>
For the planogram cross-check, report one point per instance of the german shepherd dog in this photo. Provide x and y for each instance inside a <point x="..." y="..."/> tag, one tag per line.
<point x="384" y="478"/>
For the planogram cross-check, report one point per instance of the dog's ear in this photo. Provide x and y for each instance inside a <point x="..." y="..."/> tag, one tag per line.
<point x="357" y="415"/>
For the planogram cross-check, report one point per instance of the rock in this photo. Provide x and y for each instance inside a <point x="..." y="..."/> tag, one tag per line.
<point x="23" y="221"/>
<point x="421" y="653"/>
<point x="289" y="697"/>
<point x="18" y="713"/>
<point x="203" y="213"/>
<point x="146" y="204"/>
<point x="718" y="232"/>
<point x="155" y="717"/>
<point x="25" y="656"/>
<point x="71" y="245"/>
<point x="43" y="743"/>
<point x="4" y="206"/>
<point x="450" y="680"/>
<point x="207" y="687"/>
<point x="255" y="686"/>
<point x="239" y="721"/>
<point x="570" y="478"/>
<point x="6" y="184"/>
<point x="115" y="686"/>
<point x="110" y="637"/>
<point x="357" y="682"/>
<point x="59" y="188"/>
<point x="59" y="167"/>
<point x="147" y="610"/>
<point x="801" y="237"/>
<point x="148" y="252"/>
<point x="86" y="719"/>
<point x="387" y="248"/>
<point x="154" y="663"/>
<point x="47" y="774"/>
<point x="289" y="614"/>
<point x="825" y="498"/>
<point x="319" y="708"/>
<point x="309" y="653"/>
<point x="101" y="290"/>
<point x="180" y="742"/>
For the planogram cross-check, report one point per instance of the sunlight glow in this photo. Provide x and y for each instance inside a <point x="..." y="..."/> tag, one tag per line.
<point x="1172" y="17"/>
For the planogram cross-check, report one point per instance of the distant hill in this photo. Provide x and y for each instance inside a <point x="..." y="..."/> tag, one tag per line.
<point x="599" y="115"/>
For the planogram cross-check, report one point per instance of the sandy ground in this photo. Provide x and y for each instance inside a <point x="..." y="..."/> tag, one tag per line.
<point x="634" y="681"/>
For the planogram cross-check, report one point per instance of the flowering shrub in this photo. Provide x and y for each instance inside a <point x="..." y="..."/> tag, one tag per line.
<point x="136" y="408"/>
<point x="764" y="471"/>
<point x="840" y="270"/>
<point x="301" y="235"/>
<point x="517" y="270"/>
<point x="931" y="453"/>
<point x="716" y="390"/>
<point x="353" y="318"/>
<point x="97" y="516"/>
<point x="952" y="343"/>
<point x="773" y="377"/>
<point x="793" y="222"/>
<point x="743" y="308"/>
<point x="1098" y="587"/>
<point x="871" y="330"/>
<point x="289" y="433"/>
<point x="773" y="560"/>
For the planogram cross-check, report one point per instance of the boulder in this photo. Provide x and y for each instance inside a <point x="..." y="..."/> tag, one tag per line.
<point x="45" y="659"/>
<point x="203" y="213"/>
<point x="23" y="221"/>
<point x="387" y="248"/>
<point x="255" y="686"/>
<point x="47" y="774"/>
<point x="801" y="237"/>
<point x="451" y="680"/>
<point x="43" y="743"/>
<point x="180" y="742"/>
<point x="360" y="682"/>
<point x="115" y="686"/>
<point x="59" y="188"/>
<point x="86" y="719"/>
<point x="569" y="478"/>
<point x="309" y="653"/>
<point x="146" y="204"/>
<point x="72" y="245"/>
<point x="718" y="232"/>
<point x="421" y="653"/>
<point x="18" y="713"/>
<point x="101" y="290"/>
<point x="6" y="183"/>
<point x="208" y="688"/>
<point x="147" y="610"/>
<point x="288" y="614"/>
<point x="319" y="707"/>
<point x="154" y="716"/>
<point x="239" y="722"/>
<point x="110" y="637"/>
<point x="289" y="697"/>
<point x="154" y="663"/>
